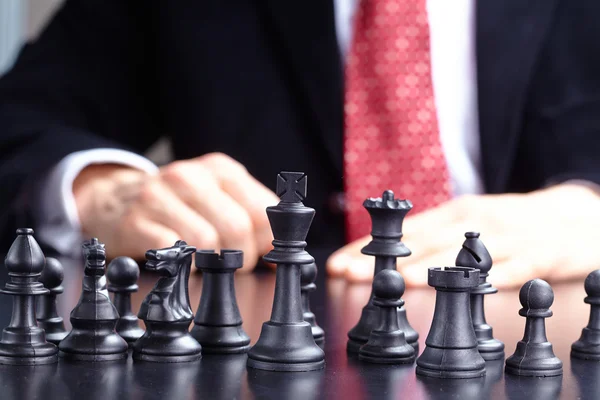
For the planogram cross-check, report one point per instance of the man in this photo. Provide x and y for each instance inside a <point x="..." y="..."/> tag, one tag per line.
<point x="343" y="91"/>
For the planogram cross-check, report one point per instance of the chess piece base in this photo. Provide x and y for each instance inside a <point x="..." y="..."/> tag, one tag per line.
<point x="33" y="354"/>
<point x="387" y="348"/>
<point x="319" y="340"/>
<point x="588" y="345"/>
<point x="386" y="360"/>
<point x="221" y="339"/>
<point x="166" y="359"/>
<point x="359" y="335"/>
<point x="512" y="370"/>
<point x="491" y="349"/>
<point x="450" y="363"/>
<point x="283" y="367"/>
<point x="436" y="373"/>
<point x="167" y="342"/>
<point x="92" y="357"/>
<point x="128" y="329"/>
<point x="591" y="352"/>
<point x="54" y="328"/>
<point x="534" y="359"/>
<point x="286" y="347"/>
<point x="97" y="341"/>
<point x="353" y="346"/>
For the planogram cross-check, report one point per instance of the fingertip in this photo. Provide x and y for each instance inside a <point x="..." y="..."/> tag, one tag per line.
<point x="338" y="263"/>
<point x="359" y="271"/>
<point x="415" y="275"/>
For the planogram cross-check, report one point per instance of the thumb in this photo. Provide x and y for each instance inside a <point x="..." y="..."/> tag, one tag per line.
<point x="339" y="263"/>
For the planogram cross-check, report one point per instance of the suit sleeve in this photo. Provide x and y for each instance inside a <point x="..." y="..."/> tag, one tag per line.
<point x="85" y="83"/>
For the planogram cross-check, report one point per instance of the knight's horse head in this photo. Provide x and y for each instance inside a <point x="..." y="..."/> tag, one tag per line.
<point x="169" y="259"/>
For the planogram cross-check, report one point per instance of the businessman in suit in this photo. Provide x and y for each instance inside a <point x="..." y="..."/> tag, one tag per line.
<point x="484" y="114"/>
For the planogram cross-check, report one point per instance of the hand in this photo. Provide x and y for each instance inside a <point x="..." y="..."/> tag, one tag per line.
<point x="549" y="234"/>
<point x="212" y="202"/>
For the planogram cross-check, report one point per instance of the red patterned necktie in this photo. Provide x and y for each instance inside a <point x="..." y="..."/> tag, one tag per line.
<point x="391" y="133"/>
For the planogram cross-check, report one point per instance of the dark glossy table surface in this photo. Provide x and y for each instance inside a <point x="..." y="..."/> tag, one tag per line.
<point x="337" y="306"/>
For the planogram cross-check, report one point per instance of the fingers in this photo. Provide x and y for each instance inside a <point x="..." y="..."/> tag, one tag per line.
<point x="160" y="204"/>
<point x="360" y="269"/>
<point x="512" y="273"/>
<point x="340" y="260"/>
<point x="200" y="190"/>
<point x="246" y="190"/>
<point x="136" y="235"/>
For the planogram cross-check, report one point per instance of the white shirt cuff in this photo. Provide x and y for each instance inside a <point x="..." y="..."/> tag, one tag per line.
<point x="55" y="214"/>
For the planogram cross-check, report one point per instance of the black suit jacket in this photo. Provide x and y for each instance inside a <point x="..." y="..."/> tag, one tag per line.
<point x="262" y="81"/>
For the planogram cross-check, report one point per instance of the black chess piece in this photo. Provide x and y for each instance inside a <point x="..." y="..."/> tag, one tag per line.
<point x="218" y="323"/>
<point x="45" y="311"/>
<point x="94" y="318"/>
<point x="308" y="275"/>
<point x="166" y="310"/>
<point x="588" y="345"/>
<point x="534" y="355"/>
<point x="286" y="342"/>
<point x="122" y="274"/>
<point x="387" y="215"/>
<point x="387" y="344"/>
<point x="23" y="341"/>
<point x="451" y="345"/>
<point x="474" y="254"/>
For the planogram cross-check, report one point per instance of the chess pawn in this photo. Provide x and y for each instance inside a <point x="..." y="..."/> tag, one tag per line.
<point x="387" y="344"/>
<point x="451" y="345"/>
<point x="46" y="312"/>
<point x="94" y="318"/>
<point x="122" y="274"/>
<point x="475" y="255"/>
<point x="218" y="323"/>
<point x="308" y="275"/>
<point x="588" y="345"/>
<point x="387" y="215"/>
<point x="534" y="355"/>
<point x="23" y="341"/>
<point x="286" y="342"/>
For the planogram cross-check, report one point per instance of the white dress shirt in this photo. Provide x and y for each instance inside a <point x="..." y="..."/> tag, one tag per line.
<point x="455" y="90"/>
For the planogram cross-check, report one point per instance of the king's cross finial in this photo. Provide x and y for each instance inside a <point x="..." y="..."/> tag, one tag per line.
<point x="291" y="186"/>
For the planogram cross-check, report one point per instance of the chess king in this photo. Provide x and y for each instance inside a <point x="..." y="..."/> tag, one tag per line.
<point x="166" y="310"/>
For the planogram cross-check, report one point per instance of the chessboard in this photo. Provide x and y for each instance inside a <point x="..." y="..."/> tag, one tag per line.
<point x="185" y="324"/>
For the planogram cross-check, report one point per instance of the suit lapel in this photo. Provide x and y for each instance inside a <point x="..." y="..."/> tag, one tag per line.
<point x="509" y="37"/>
<point x="305" y="40"/>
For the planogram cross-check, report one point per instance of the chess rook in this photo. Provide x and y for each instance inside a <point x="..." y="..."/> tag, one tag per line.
<point x="308" y="275"/>
<point x="286" y="342"/>
<point x="588" y="345"/>
<point x="451" y="345"/>
<point x="46" y="312"/>
<point x="387" y="215"/>
<point x="534" y="355"/>
<point x="218" y="323"/>
<point x="122" y="274"/>
<point x="166" y="310"/>
<point x="387" y="343"/>
<point x="94" y="318"/>
<point x="23" y="341"/>
<point x="474" y="254"/>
